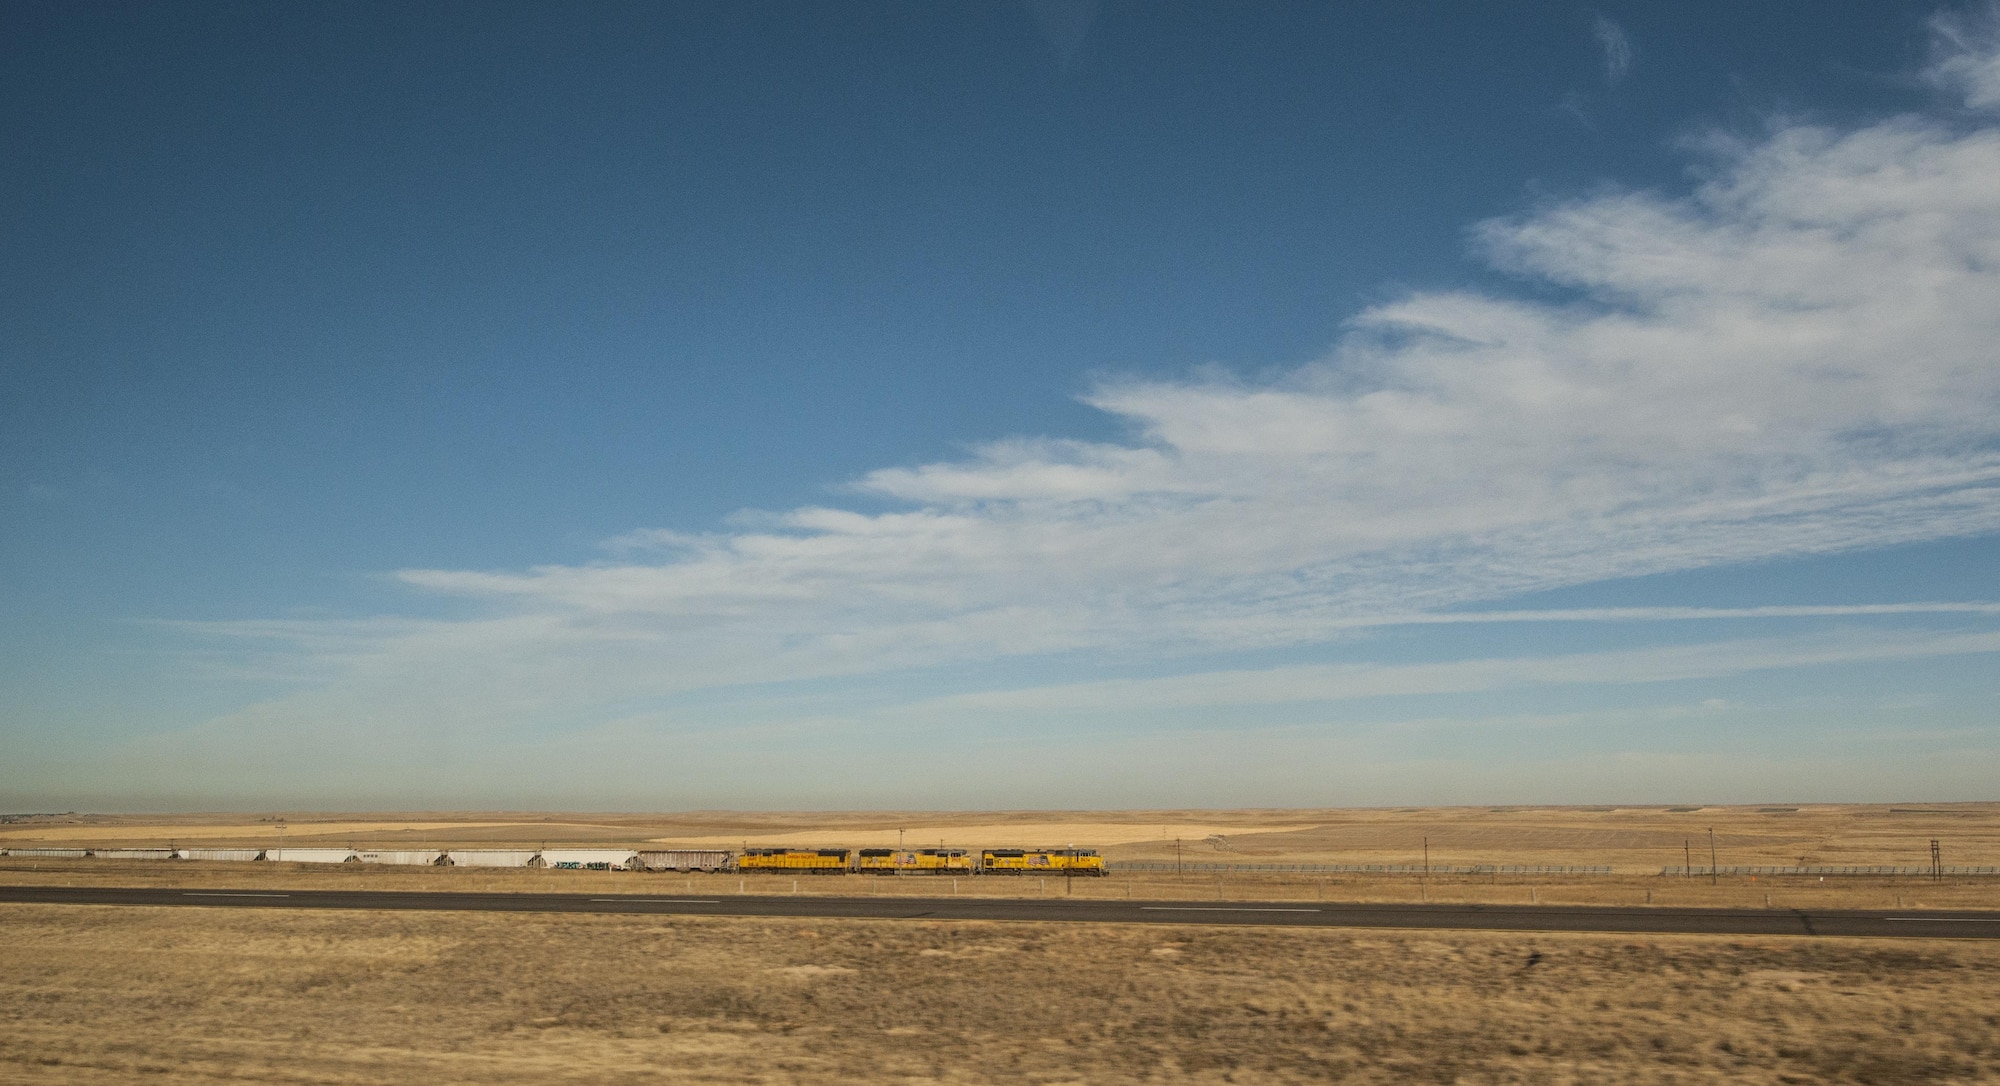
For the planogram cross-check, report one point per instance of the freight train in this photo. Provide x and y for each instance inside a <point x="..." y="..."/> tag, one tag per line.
<point x="776" y="861"/>
<point x="922" y="861"/>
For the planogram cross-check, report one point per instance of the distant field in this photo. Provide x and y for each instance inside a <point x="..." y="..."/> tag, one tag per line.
<point x="1633" y="840"/>
<point x="115" y="995"/>
<point x="1636" y="842"/>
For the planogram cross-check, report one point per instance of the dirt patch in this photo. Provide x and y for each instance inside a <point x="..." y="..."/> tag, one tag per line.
<point x="809" y="972"/>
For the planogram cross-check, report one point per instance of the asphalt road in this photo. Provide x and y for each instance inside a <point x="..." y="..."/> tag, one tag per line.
<point x="1875" y="923"/>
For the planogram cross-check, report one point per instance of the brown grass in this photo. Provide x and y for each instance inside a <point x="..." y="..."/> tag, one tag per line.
<point x="1635" y="840"/>
<point x="100" y="995"/>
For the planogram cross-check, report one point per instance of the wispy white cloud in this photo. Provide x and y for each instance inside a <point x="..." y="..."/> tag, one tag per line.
<point x="1065" y="24"/>
<point x="1797" y="357"/>
<point x="1966" y="55"/>
<point x="1679" y="614"/>
<point x="1616" y="47"/>
<point x="1348" y="682"/>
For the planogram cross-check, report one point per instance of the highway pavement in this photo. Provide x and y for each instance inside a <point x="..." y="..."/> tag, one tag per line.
<point x="1907" y="924"/>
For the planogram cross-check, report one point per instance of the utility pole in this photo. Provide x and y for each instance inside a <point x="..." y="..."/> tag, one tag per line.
<point x="1177" y="855"/>
<point x="1427" y="859"/>
<point x="1687" y="858"/>
<point x="1937" y="862"/>
<point x="1714" y="877"/>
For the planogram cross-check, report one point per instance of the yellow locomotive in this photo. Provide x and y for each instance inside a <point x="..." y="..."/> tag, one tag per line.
<point x="810" y="861"/>
<point x="1041" y="861"/>
<point x="913" y="861"/>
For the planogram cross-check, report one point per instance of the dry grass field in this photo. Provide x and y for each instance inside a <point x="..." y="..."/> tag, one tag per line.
<point x="190" y="995"/>
<point x="115" y="995"/>
<point x="1636" y="842"/>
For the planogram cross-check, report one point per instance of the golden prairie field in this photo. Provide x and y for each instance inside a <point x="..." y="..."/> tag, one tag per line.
<point x="1639" y="839"/>
<point x="93" y="995"/>
<point x="1636" y="842"/>
<point x="191" y="995"/>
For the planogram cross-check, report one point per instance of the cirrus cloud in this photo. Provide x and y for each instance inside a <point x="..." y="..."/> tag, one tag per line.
<point x="1796" y="357"/>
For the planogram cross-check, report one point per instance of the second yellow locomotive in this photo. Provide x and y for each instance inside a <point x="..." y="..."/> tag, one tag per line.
<point x="921" y="861"/>
<point x="1041" y="861"/>
<point x="913" y="861"/>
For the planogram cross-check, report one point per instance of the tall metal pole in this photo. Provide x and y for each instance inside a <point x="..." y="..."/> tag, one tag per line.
<point x="1687" y="858"/>
<point x="1714" y="877"/>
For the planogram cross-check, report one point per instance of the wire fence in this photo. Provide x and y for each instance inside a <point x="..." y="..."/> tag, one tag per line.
<point x="1924" y="872"/>
<point x="1133" y="867"/>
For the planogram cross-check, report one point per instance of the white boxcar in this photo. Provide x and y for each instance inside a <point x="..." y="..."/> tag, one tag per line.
<point x="51" y="853"/>
<point x="310" y="855"/>
<point x="490" y="857"/>
<point x="415" y="858"/>
<point x="135" y="853"/>
<point x="683" y="859"/>
<point x="223" y="853"/>
<point x="588" y="859"/>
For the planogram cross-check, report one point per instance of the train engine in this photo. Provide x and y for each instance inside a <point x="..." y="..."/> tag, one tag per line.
<point x="913" y="861"/>
<point x="1041" y="861"/>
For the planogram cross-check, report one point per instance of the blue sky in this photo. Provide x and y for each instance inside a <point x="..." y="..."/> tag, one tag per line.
<point x="1004" y="405"/>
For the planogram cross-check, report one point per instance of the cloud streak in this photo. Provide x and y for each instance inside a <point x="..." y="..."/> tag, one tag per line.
<point x="1966" y="55"/>
<point x="1348" y="682"/>
<point x="1797" y="357"/>
<point x="1680" y="614"/>
<point x="1616" y="47"/>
